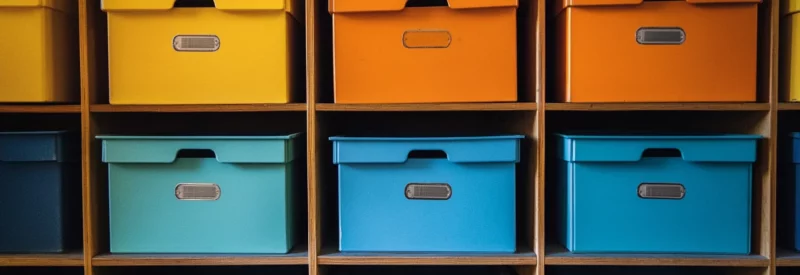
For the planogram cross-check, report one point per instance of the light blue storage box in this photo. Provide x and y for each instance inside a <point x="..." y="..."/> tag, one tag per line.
<point x="655" y="194"/>
<point x="427" y="194"/>
<point x="200" y="194"/>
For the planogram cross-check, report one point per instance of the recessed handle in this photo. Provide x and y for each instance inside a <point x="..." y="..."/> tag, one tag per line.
<point x="660" y="36"/>
<point x="427" y="39"/>
<point x="196" y="43"/>
<point x="428" y="191"/>
<point x="198" y="191"/>
<point x="671" y="191"/>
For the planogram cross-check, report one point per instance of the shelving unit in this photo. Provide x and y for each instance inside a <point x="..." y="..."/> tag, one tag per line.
<point x="320" y="118"/>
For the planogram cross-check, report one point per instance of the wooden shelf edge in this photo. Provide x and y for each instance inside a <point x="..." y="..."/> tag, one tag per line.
<point x="657" y="107"/>
<point x="426" y="107"/>
<point x="41" y="109"/>
<point x="789" y="106"/>
<point x="787" y="258"/>
<point x="198" y="259"/>
<point x="67" y="259"/>
<point x="787" y="262"/>
<point x="219" y="108"/>
<point x="528" y="259"/>
<point x="655" y="260"/>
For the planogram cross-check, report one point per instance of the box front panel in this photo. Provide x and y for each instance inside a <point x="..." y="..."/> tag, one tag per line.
<point x="32" y="208"/>
<point x="147" y="215"/>
<point x="378" y="214"/>
<point x="661" y="51"/>
<point x="198" y="55"/>
<point x="613" y="212"/>
<point x="796" y="213"/>
<point x="431" y="54"/>
<point x="22" y="55"/>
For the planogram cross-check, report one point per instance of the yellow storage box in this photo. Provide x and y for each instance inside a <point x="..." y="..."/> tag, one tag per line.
<point x="39" y="52"/>
<point x="203" y="51"/>
<point x="790" y="55"/>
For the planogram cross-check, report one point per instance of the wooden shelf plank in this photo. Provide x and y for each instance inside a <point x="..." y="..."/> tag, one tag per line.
<point x="292" y="258"/>
<point x="74" y="258"/>
<point x="789" y="106"/>
<point x="40" y="109"/>
<point x="787" y="258"/>
<point x="558" y="255"/>
<point x="223" y="108"/>
<point x="426" y="107"/>
<point x="657" y="106"/>
<point x="522" y="257"/>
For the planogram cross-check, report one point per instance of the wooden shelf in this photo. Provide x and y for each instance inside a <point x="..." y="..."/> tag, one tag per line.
<point x="40" y="109"/>
<point x="657" y="106"/>
<point x="293" y="258"/>
<point x="522" y="257"/>
<point x="787" y="258"/>
<point x="223" y="108"/>
<point x="788" y="106"/>
<point x="558" y="255"/>
<point x="74" y="258"/>
<point x="426" y="107"/>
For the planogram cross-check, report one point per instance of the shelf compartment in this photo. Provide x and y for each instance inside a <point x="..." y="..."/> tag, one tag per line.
<point x="216" y="108"/>
<point x="657" y="106"/>
<point x="74" y="258"/>
<point x="426" y="107"/>
<point x="295" y="257"/>
<point x="333" y="257"/>
<point x="558" y="255"/>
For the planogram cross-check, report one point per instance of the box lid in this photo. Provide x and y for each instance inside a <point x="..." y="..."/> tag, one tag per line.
<point x="621" y="148"/>
<point x="396" y="150"/>
<point x="226" y="149"/>
<point x="68" y="6"/>
<point x="562" y="4"/>
<point x="244" y="5"/>
<point x="46" y="146"/>
<point x="341" y="6"/>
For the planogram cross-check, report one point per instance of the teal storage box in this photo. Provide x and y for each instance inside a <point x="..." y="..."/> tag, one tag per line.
<point x="655" y="194"/>
<point x="200" y="194"/>
<point x="427" y="194"/>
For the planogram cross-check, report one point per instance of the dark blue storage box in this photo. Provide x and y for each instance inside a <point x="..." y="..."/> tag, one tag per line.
<point x="795" y="182"/>
<point x="40" y="198"/>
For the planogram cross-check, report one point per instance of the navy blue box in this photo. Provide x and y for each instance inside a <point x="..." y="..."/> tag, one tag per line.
<point x="40" y="192"/>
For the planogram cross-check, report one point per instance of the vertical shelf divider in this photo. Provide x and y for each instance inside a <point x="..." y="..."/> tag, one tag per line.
<point x="540" y="133"/>
<point x="312" y="91"/>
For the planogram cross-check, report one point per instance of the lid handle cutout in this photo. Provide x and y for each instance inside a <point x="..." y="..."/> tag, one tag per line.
<point x="194" y="4"/>
<point x="196" y="153"/>
<point x="426" y="3"/>
<point x="427" y="154"/>
<point x="662" y="153"/>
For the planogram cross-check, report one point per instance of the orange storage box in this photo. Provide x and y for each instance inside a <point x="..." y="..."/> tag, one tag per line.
<point x="656" y="51"/>
<point x="386" y="52"/>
